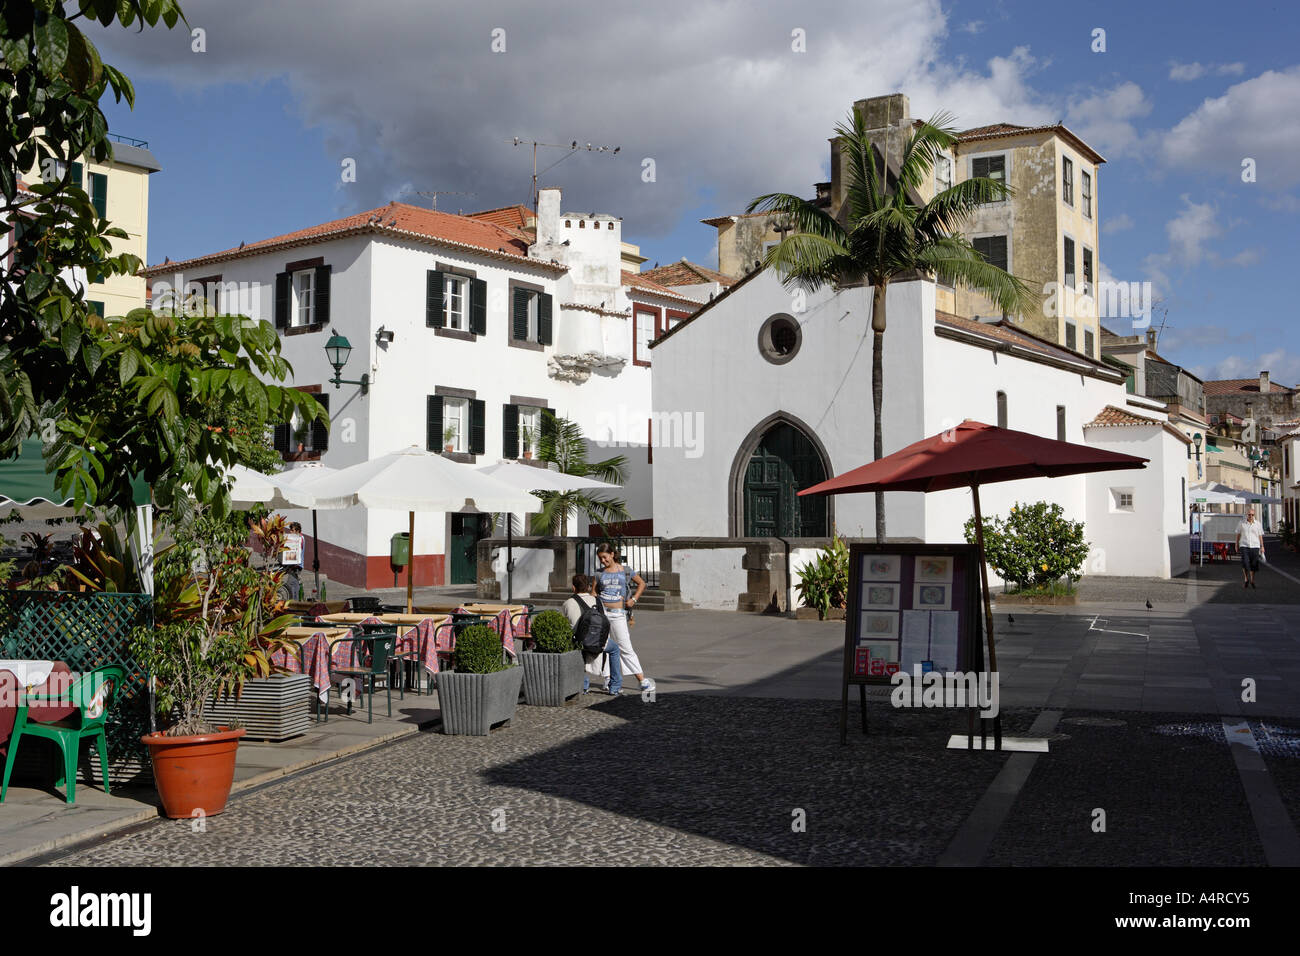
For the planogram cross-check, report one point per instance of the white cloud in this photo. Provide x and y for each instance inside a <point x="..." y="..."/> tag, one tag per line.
<point x="972" y="27"/>
<point x="414" y="92"/>
<point x="1105" y="121"/>
<point x="1186" y="72"/>
<point x="1282" y="366"/>
<point x="1190" y="230"/>
<point x="1246" y="122"/>
<point x="1119" y="223"/>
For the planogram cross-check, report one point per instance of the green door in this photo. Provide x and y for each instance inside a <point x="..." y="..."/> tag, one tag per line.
<point x="466" y="532"/>
<point x="784" y="462"/>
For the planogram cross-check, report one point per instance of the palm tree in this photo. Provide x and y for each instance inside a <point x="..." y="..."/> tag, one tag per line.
<point x="887" y="233"/>
<point x="562" y="444"/>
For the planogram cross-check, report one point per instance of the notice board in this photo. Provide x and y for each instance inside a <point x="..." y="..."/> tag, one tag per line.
<point x="908" y="605"/>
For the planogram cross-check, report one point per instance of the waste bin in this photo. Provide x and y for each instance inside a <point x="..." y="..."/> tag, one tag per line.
<point x="399" y="550"/>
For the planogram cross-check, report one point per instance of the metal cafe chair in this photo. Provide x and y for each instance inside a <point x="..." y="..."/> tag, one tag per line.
<point x="368" y="665"/>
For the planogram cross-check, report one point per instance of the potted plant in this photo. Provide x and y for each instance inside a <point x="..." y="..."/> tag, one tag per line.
<point x="527" y="440"/>
<point x="217" y="623"/>
<point x="824" y="581"/>
<point x="449" y="438"/>
<point x="553" y="669"/>
<point x="481" y="689"/>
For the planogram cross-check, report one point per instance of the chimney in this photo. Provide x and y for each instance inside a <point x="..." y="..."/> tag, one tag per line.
<point x="882" y="111"/>
<point x="1153" y="336"/>
<point x="548" y="216"/>
<point x="1263" y="383"/>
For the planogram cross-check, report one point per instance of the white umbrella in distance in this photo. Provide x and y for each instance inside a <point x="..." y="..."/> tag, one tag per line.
<point x="533" y="478"/>
<point x="298" y="478"/>
<point x="414" y="480"/>
<point x="251" y="487"/>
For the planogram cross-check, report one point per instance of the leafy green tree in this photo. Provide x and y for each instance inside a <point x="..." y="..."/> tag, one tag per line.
<point x="115" y="398"/>
<point x="563" y="445"/>
<point x="889" y="233"/>
<point x="1034" y="546"/>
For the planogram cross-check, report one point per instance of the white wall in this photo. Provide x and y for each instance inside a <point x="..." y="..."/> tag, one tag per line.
<point x="533" y="567"/>
<point x="1151" y="540"/>
<point x="712" y="578"/>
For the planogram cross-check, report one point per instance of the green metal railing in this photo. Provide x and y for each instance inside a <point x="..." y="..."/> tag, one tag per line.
<point x="85" y="631"/>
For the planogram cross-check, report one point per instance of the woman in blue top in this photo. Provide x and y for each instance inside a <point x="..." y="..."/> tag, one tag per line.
<point x="612" y="584"/>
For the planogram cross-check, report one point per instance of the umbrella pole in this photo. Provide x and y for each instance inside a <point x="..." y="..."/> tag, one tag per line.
<point x="315" y="551"/>
<point x="984" y="577"/>
<point x="510" y="557"/>
<point x="410" y="568"/>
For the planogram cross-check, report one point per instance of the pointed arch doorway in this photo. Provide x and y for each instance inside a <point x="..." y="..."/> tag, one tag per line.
<point x="777" y="459"/>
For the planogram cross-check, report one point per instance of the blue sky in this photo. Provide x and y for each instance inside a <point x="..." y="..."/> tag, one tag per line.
<point x="251" y="131"/>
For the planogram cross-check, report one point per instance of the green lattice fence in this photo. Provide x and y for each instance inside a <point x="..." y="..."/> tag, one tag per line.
<point x="86" y="631"/>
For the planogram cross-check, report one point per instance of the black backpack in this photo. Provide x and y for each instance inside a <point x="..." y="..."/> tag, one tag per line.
<point x="592" y="630"/>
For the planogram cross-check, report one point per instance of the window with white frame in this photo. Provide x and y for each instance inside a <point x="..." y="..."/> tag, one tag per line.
<point x="989" y="167"/>
<point x="1067" y="180"/>
<point x="304" y="287"/>
<point x="942" y="174"/>
<point x="532" y="317"/>
<point x="530" y="430"/>
<point x="455" y="423"/>
<point x="1086" y="200"/>
<point x="1121" y="499"/>
<point x="645" y="333"/>
<point x="455" y="299"/>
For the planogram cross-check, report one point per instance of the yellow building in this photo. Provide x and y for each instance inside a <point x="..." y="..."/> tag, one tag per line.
<point x="1046" y="232"/>
<point x="119" y="189"/>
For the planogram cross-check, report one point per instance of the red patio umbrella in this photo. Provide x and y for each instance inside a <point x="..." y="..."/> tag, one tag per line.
<point x="970" y="455"/>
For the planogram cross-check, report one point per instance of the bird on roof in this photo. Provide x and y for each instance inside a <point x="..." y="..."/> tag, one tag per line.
<point x="241" y="243"/>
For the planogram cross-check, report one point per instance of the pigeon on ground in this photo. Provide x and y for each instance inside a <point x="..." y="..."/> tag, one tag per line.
<point x="1011" y="619"/>
<point x="1148" y="604"/>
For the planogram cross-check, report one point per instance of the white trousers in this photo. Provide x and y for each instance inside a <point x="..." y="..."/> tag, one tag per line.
<point x="618" y="631"/>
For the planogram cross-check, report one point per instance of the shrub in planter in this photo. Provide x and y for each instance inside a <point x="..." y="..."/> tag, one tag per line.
<point x="1034" y="547"/>
<point x="824" y="581"/>
<point x="481" y="689"/>
<point x="553" y="670"/>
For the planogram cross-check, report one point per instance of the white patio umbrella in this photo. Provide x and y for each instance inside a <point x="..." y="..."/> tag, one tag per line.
<point x="533" y="478"/>
<point x="254" y="488"/>
<point x="1214" y="494"/>
<point x="414" y="480"/>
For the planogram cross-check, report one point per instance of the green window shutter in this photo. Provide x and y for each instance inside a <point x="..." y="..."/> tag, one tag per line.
<point x="544" y="318"/>
<point x="96" y="307"/>
<point x="477" y="426"/>
<point x="280" y="438"/>
<point x="1069" y="263"/>
<point x="979" y="168"/>
<point x="510" y="431"/>
<point x="433" y="316"/>
<point x="1087" y="342"/>
<point x="519" y="315"/>
<point x="320" y="433"/>
<point x="1070" y="337"/>
<point x="282" y="300"/>
<point x="321" y="296"/>
<point x="76" y="175"/>
<point x="478" y="306"/>
<point x="433" y="423"/>
<point x="99" y="194"/>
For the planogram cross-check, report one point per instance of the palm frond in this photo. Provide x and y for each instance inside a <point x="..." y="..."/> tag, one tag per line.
<point x="955" y="261"/>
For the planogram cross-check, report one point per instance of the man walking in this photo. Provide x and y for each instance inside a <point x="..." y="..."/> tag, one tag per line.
<point x="584" y="597"/>
<point x="1250" y="544"/>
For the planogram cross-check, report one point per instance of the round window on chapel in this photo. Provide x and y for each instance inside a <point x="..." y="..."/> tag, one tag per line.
<point x="779" y="338"/>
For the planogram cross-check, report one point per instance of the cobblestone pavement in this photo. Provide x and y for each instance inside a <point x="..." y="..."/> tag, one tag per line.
<point x="686" y="780"/>
<point x="695" y="779"/>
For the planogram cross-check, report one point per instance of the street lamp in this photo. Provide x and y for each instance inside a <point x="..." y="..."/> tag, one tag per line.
<point x="337" y="350"/>
<point x="1196" y="440"/>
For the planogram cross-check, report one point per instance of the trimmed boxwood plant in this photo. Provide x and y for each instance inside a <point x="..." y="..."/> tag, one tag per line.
<point x="552" y="633"/>
<point x="478" y="651"/>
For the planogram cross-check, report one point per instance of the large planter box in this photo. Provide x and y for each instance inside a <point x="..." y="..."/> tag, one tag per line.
<point x="550" y="679"/>
<point x="472" y="703"/>
<point x="270" y="708"/>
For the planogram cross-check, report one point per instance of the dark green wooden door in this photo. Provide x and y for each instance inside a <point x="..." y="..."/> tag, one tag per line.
<point x="462" y="547"/>
<point x="784" y="462"/>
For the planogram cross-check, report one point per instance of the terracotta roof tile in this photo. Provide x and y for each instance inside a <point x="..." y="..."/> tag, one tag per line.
<point x="996" y="130"/>
<point x="394" y="219"/>
<point x="686" y="273"/>
<point x="1112" y="416"/>
<point x="517" y="216"/>
<point x="1238" y="386"/>
<point x="638" y="281"/>
<point x="1008" y="333"/>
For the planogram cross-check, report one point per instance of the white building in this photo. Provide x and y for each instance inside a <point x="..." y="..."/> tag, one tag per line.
<point x="467" y="329"/>
<point x="781" y="398"/>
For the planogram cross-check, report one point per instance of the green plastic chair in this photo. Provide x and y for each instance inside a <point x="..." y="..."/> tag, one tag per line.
<point x="381" y="646"/>
<point x="92" y="694"/>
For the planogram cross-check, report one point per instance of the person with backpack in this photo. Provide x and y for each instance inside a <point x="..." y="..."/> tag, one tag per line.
<point x="592" y="632"/>
<point x="614" y="588"/>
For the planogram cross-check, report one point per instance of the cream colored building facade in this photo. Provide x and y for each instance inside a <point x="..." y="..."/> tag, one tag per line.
<point x="120" y="190"/>
<point x="1046" y="232"/>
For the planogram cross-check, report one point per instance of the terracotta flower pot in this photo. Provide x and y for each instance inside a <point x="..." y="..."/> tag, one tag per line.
<point x="193" y="773"/>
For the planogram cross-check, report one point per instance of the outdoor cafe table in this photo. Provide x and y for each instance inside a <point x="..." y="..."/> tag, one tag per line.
<point x="420" y="634"/>
<point x="314" y="658"/>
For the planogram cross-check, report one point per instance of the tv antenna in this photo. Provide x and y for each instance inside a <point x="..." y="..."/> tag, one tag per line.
<point x="435" y="193"/>
<point x="572" y="147"/>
